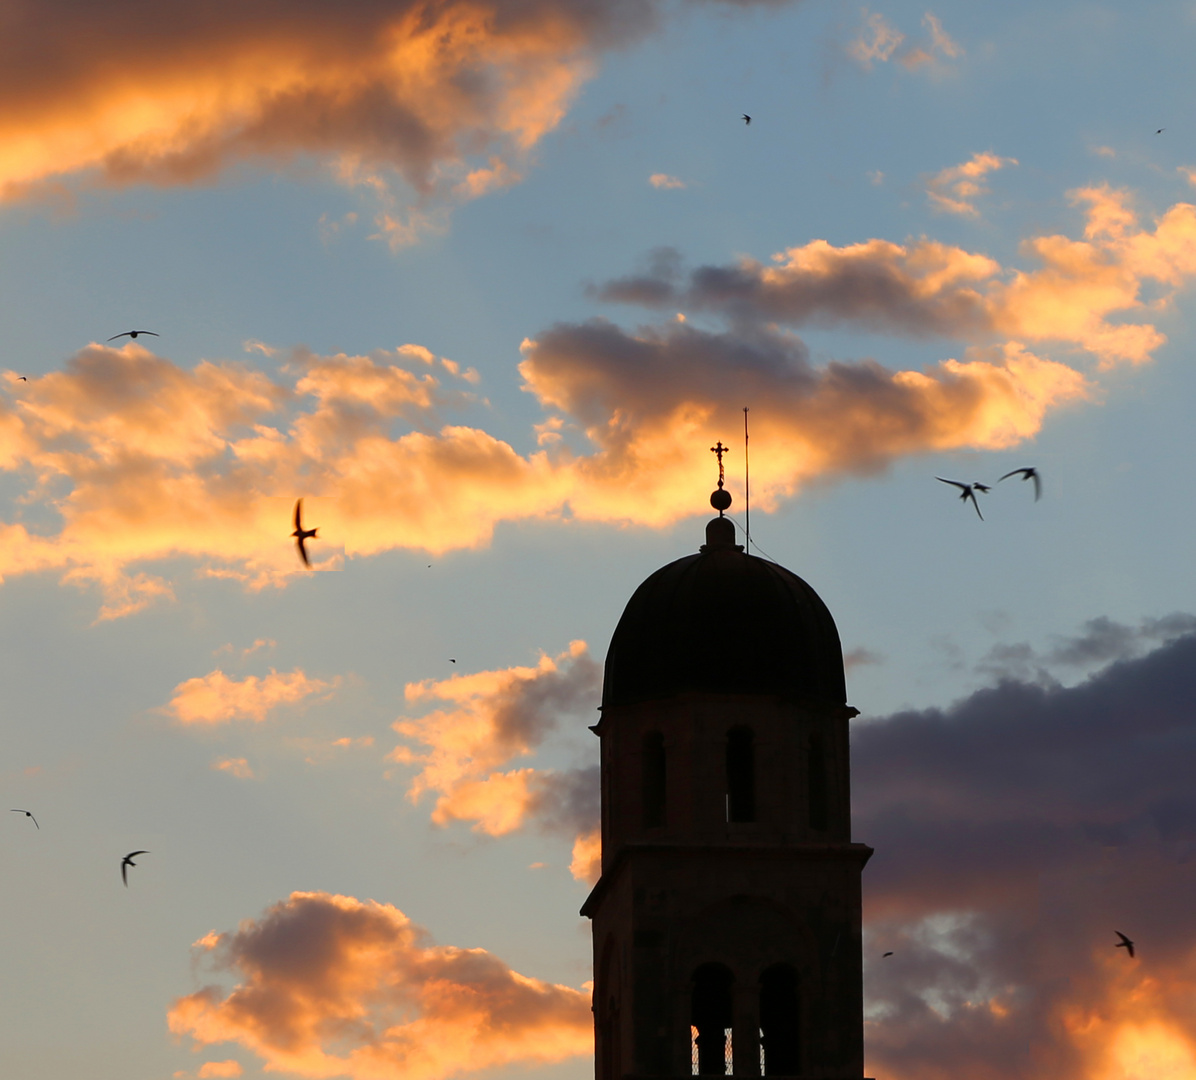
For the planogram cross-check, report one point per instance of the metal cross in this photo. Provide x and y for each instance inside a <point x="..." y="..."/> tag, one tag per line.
<point x="719" y="450"/>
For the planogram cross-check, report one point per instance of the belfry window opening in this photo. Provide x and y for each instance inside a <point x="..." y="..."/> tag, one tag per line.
<point x="780" y="1046"/>
<point x="710" y="1022"/>
<point x="741" y="775"/>
<point x="655" y="780"/>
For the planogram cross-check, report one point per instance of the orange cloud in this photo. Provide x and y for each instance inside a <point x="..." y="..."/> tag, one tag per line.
<point x="219" y="1069"/>
<point x="925" y="288"/>
<point x="238" y="767"/>
<point x="130" y="461"/>
<point x="493" y="717"/>
<point x="448" y="98"/>
<point x="878" y="42"/>
<point x="665" y="181"/>
<point x="329" y="985"/>
<point x="587" y="857"/>
<point x="955" y="189"/>
<point x="216" y="699"/>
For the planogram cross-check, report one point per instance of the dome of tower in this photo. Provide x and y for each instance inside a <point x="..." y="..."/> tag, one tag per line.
<point x="724" y="622"/>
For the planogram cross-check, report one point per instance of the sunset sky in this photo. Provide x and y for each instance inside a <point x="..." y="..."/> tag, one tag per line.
<point x="481" y="281"/>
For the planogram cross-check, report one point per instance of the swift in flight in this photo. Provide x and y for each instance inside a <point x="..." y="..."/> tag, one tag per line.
<point x="301" y="534"/>
<point x="1027" y="474"/>
<point x="967" y="491"/>
<point x="29" y="816"/>
<point x="126" y="862"/>
<point x="134" y="334"/>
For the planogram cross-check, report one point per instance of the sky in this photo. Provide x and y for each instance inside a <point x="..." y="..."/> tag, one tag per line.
<point x="481" y="282"/>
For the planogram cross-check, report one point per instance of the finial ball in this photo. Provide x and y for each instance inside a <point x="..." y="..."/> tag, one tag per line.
<point x="720" y="499"/>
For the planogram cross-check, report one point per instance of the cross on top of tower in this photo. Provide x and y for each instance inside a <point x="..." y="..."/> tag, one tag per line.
<point x="719" y="450"/>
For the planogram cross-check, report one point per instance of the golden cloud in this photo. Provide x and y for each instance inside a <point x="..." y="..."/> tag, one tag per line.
<point x="328" y="985"/>
<point x="448" y="97"/>
<point x="928" y="289"/>
<point x="493" y="718"/>
<point x="139" y="461"/>
<point x="217" y="699"/>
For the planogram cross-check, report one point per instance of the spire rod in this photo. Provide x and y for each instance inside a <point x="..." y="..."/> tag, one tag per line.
<point x="747" y="491"/>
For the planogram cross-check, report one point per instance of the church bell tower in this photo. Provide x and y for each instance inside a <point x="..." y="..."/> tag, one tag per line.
<point x="726" y="921"/>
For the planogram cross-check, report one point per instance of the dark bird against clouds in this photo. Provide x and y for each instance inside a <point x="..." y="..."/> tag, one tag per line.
<point x="133" y="334"/>
<point x="1124" y="943"/>
<point x="301" y="534"/>
<point x="967" y="491"/>
<point x="747" y="119"/>
<point x="1027" y="474"/>
<point x="883" y="955"/>
<point x="28" y="815"/>
<point x="126" y="862"/>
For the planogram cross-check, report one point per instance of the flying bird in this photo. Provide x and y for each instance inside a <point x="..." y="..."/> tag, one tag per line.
<point x="452" y="660"/>
<point x="133" y="334"/>
<point x="1124" y="943"/>
<point x="747" y="119"/>
<point x="967" y="491"/>
<point x="886" y="954"/>
<point x="300" y="534"/>
<point x="1160" y="131"/>
<point x="22" y="378"/>
<point x="1027" y="474"/>
<point x="126" y="862"/>
<point x="28" y="815"/>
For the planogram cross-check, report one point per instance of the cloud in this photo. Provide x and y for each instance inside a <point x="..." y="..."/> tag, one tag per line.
<point x="493" y="718"/>
<point x="861" y="657"/>
<point x="663" y="180"/>
<point x="1014" y="832"/>
<point x="955" y="189"/>
<point x="124" y="465"/>
<point x="328" y="985"/>
<point x="1100" y="641"/>
<point x="927" y="289"/>
<point x="219" y="1069"/>
<point x="818" y="421"/>
<point x="418" y="105"/>
<point x="877" y="41"/>
<point x="236" y="766"/>
<point x="216" y="699"/>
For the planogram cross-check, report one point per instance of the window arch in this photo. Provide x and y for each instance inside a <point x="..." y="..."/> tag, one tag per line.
<point x="780" y="1043"/>
<point x="655" y="780"/>
<point x="711" y="1015"/>
<point x="741" y="774"/>
<point x="816" y="783"/>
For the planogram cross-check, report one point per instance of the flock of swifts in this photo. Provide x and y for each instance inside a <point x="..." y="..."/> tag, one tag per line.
<point x="967" y="492"/>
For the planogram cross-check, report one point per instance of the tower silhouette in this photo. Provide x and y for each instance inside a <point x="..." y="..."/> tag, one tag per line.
<point x="726" y="922"/>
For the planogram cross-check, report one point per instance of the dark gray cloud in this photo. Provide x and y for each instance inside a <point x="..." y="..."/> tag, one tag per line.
<point x="1014" y="832"/>
<point x="1100" y="641"/>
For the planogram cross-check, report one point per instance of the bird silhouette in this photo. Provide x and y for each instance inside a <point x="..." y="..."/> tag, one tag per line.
<point x="21" y="378"/>
<point x="126" y="862"/>
<point x="967" y="491"/>
<point x="1124" y="943"/>
<point x="134" y="334"/>
<point x="747" y="119"/>
<point x="1027" y="474"/>
<point x="28" y="815"/>
<point x="301" y="534"/>
<point x="883" y="955"/>
<point x="452" y="660"/>
<point x="1160" y="131"/>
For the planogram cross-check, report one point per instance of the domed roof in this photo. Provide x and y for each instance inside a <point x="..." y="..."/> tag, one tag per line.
<point x="724" y="622"/>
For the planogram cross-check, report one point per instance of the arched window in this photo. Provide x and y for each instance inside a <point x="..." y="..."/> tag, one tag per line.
<point x="816" y="783"/>
<point x="779" y="1034"/>
<point x="710" y="1020"/>
<point x="741" y="775"/>
<point x="655" y="777"/>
